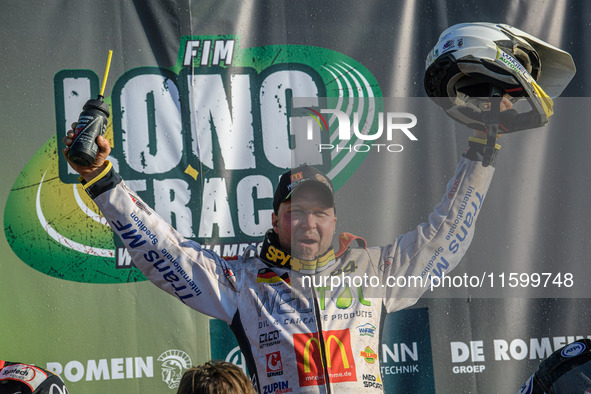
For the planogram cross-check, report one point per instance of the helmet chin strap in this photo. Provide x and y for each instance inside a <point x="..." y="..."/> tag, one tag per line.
<point x="490" y="118"/>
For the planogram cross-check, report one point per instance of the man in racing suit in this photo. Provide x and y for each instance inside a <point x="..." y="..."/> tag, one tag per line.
<point x="309" y="336"/>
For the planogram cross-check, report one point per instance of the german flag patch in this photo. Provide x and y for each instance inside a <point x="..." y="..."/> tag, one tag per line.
<point x="267" y="275"/>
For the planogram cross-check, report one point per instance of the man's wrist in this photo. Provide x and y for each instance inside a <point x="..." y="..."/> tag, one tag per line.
<point x="104" y="181"/>
<point x="89" y="176"/>
<point x="476" y="150"/>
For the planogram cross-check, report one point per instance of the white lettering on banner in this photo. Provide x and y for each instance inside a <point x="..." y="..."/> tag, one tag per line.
<point x="223" y="50"/>
<point x="274" y="117"/>
<point x="400" y="369"/>
<point x="469" y="369"/>
<point x="190" y="51"/>
<point x="97" y="372"/>
<point x="123" y="258"/>
<point x="460" y="352"/>
<point x="74" y="371"/>
<point x="228" y="124"/>
<point x="506" y="350"/>
<point x="398" y="352"/>
<point x="541" y="348"/>
<point x="171" y="197"/>
<point x="232" y="122"/>
<point x="253" y="222"/>
<point x="205" y="52"/>
<point x="152" y="141"/>
<point x="215" y="209"/>
<point x="104" y="369"/>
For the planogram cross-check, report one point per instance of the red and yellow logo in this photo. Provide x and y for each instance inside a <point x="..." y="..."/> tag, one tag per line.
<point x="298" y="176"/>
<point x="369" y="355"/>
<point x="338" y="357"/>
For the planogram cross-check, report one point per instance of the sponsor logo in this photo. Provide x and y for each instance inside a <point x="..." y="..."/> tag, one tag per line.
<point x="449" y="44"/>
<point x="20" y="371"/>
<point x="277" y="255"/>
<point x="514" y="64"/>
<point x="322" y="178"/>
<point x="174" y="363"/>
<point x="274" y="365"/>
<point x="465" y="369"/>
<point x="517" y="349"/>
<point x="459" y="231"/>
<point x="167" y="265"/>
<point x="337" y="359"/>
<point x="269" y="338"/>
<point x="572" y="350"/>
<point x="366" y="330"/>
<point x="277" y="388"/>
<point x="372" y="381"/>
<point x="30" y="375"/>
<point x="454" y="187"/>
<point x="273" y="300"/>
<point x="369" y="355"/>
<point x="139" y="204"/>
<point x="278" y="300"/>
<point x="298" y="176"/>
<point x="208" y="188"/>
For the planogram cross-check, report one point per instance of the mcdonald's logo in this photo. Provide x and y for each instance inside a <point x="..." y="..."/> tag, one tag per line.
<point x="338" y="358"/>
<point x="298" y="176"/>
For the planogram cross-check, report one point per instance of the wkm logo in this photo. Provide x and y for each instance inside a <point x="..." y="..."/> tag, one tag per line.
<point x="338" y="357"/>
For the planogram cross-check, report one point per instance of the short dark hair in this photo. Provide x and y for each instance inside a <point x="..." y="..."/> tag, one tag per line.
<point x="215" y="377"/>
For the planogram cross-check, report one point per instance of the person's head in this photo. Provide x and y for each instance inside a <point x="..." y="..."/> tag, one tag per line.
<point x="215" y="377"/>
<point x="304" y="217"/>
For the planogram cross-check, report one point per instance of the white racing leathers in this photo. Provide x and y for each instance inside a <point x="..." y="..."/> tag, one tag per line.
<point x="298" y="328"/>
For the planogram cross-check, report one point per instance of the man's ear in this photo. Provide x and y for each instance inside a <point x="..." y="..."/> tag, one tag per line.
<point x="274" y="221"/>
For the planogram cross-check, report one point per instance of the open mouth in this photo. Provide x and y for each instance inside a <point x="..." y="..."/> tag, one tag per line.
<point x="307" y="241"/>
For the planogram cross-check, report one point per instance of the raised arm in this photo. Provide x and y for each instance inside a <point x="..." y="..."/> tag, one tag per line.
<point x="196" y="276"/>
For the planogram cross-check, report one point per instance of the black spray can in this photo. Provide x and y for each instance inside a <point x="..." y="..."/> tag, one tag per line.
<point x="91" y="123"/>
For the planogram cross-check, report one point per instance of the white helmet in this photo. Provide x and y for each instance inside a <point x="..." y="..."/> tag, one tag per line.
<point x="470" y="58"/>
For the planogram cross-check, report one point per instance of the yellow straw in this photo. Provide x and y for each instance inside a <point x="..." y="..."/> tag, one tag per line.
<point x="106" y="73"/>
